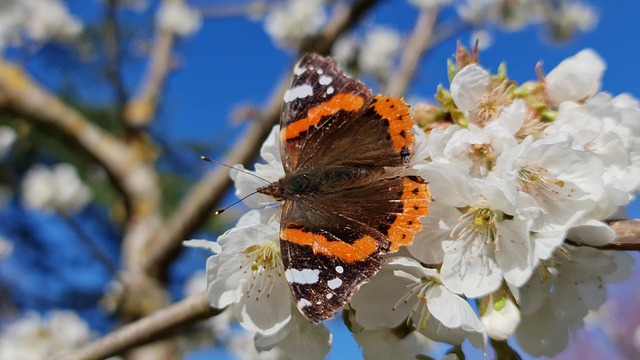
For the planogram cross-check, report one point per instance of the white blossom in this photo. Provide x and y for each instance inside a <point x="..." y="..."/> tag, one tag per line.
<point x="578" y="15"/>
<point x="598" y="127"/>
<point x="49" y="19"/>
<point x="6" y="248"/>
<point x="501" y="318"/>
<point x="489" y="240"/>
<point x="39" y="20"/>
<point x="483" y="38"/>
<point x="576" y="78"/>
<point x="556" y="182"/>
<point x="213" y="247"/>
<point x="299" y="339"/>
<point x="177" y="17"/>
<point x="557" y="299"/>
<point x="7" y="139"/>
<point x="378" y="51"/>
<point x="288" y="23"/>
<point x="345" y="50"/>
<point x="56" y="189"/>
<point x="248" y="275"/>
<point x="513" y="15"/>
<point x="243" y="348"/>
<point x="33" y="337"/>
<point x="383" y="344"/>
<point x="405" y="289"/>
<point x="469" y="86"/>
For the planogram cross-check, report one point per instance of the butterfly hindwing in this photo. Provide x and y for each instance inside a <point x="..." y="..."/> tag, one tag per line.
<point x="346" y="230"/>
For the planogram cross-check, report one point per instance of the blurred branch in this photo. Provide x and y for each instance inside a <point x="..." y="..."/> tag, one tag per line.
<point x="250" y="8"/>
<point x="343" y="19"/>
<point x="414" y="49"/>
<point x="156" y="326"/>
<point x="130" y="171"/>
<point x="196" y="207"/>
<point x="142" y="107"/>
<point x="112" y="46"/>
<point x="24" y="96"/>
<point x="91" y="244"/>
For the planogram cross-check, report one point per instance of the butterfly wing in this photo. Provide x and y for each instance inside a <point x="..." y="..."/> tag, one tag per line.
<point x="321" y="96"/>
<point x="331" y="244"/>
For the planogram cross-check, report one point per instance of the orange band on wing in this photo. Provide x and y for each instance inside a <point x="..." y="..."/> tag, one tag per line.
<point x="346" y="102"/>
<point x="358" y="251"/>
<point x="396" y="111"/>
<point x="415" y="200"/>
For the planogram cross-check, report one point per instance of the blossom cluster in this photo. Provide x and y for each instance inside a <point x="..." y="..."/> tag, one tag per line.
<point x="374" y="52"/>
<point x="523" y="179"/>
<point x="55" y="189"/>
<point x="39" y="20"/>
<point x="34" y="337"/>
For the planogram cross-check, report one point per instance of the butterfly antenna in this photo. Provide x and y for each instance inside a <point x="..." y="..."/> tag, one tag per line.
<point x="218" y="212"/>
<point x="234" y="168"/>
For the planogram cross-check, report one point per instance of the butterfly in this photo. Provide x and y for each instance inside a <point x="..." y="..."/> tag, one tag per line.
<point x="345" y="198"/>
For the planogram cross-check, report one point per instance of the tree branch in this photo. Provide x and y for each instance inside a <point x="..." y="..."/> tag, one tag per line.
<point x="27" y="98"/>
<point x="196" y="308"/>
<point x="156" y="326"/>
<point x="628" y="235"/>
<point x="414" y="49"/>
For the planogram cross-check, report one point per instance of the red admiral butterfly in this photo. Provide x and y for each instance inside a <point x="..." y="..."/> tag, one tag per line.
<point x="345" y="198"/>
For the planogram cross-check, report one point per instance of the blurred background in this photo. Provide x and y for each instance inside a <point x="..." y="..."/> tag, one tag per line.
<point x="106" y="106"/>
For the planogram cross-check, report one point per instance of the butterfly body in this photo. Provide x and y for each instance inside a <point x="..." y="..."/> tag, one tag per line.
<point x="346" y="198"/>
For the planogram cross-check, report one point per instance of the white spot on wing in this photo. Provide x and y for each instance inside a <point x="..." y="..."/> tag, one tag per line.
<point x="325" y="80"/>
<point x="330" y="90"/>
<point x="304" y="276"/>
<point x="334" y="283"/>
<point x="299" y="70"/>
<point x="339" y="269"/>
<point x="298" y="92"/>
<point x="319" y="71"/>
<point x="303" y="303"/>
<point x="329" y="296"/>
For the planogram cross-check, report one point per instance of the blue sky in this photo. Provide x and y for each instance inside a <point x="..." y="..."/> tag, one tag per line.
<point x="232" y="61"/>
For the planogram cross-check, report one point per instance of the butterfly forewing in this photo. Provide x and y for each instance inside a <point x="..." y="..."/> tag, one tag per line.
<point x="320" y="97"/>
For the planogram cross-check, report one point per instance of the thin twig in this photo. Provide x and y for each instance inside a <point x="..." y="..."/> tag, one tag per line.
<point x="249" y="8"/>
<point x="416" y="46"/>
<point x="142" y="107"/>
<point x="114" y="53"/>
<point x="343" y="20"/>
<point x="156" y="326"/>
<point x="91" y="244"/>
<point x="628" y="235"/>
